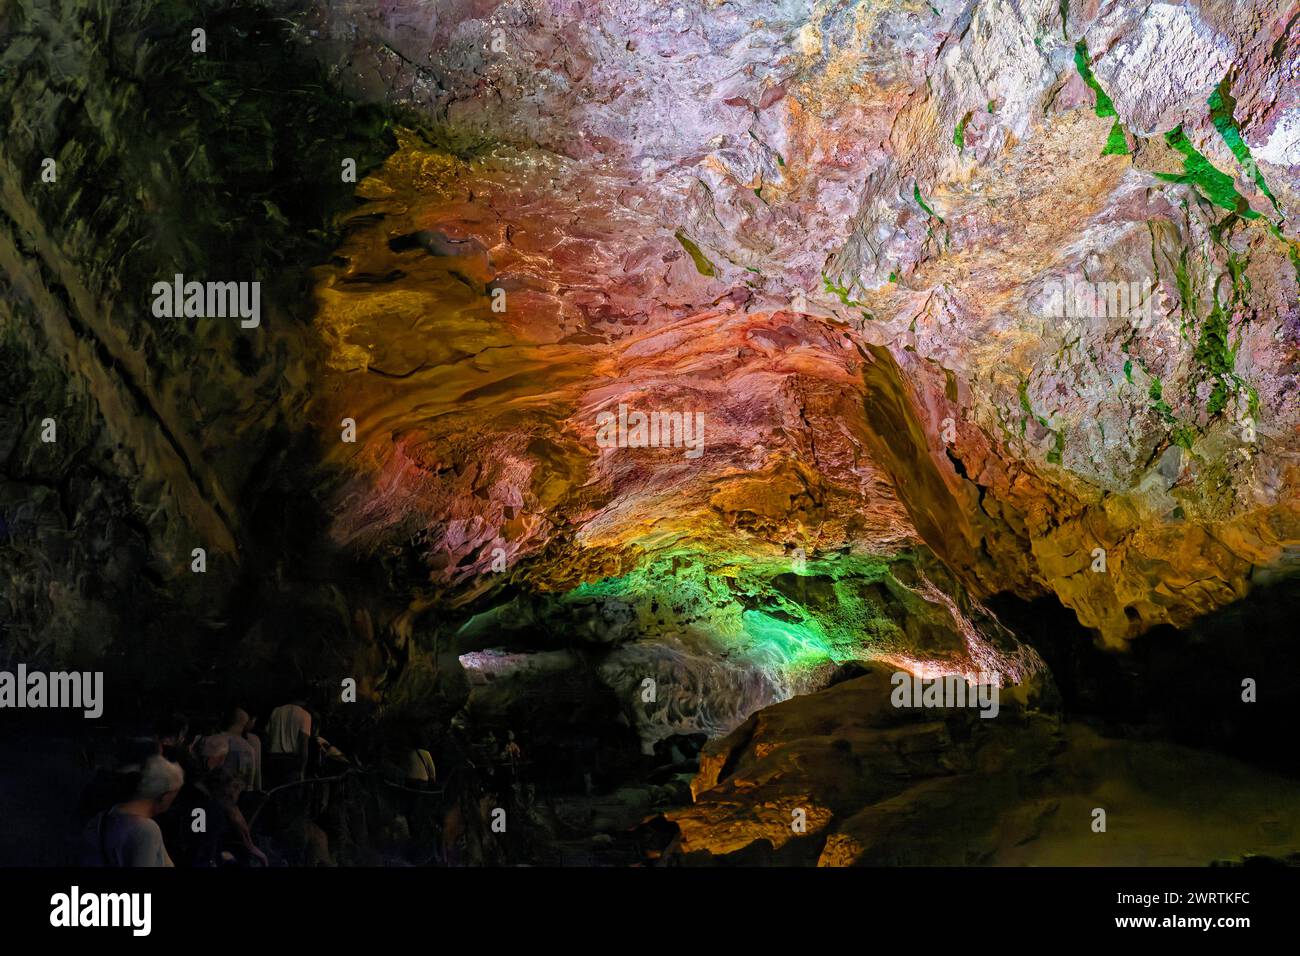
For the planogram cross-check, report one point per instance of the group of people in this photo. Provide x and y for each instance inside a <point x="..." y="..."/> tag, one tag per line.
<point x="185" y="800"/>
<point x="181" y="800"/>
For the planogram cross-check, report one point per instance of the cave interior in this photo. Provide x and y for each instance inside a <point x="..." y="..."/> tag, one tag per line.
<point x="621" y="402"/>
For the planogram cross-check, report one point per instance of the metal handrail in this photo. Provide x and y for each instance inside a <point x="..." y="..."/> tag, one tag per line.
<point x="350" y="772"/>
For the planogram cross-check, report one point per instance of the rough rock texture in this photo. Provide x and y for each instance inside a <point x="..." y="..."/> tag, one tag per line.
<point x="879" y="785"/>
<point x="783" y="213"/>
<point x="170" y="435"/>
<point x="722" y="639"/>
<point x="838" y="230"/>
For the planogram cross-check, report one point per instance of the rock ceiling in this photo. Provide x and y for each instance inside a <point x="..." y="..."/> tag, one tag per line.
<point x="834" y="229"/>
<point x="840" y="232"/>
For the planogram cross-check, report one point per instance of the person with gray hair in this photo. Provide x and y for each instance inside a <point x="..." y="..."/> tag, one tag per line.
<point x="126" y="834"/>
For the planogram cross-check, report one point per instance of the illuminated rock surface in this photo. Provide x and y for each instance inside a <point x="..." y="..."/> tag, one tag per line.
<point x="785" y="213"/>
<point x="880" y="786"/>
<point x="832" y="229"/>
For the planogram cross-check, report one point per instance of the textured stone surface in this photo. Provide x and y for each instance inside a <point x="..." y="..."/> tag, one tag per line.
<point x="841" y="251"/>
<point x="831" y="227"/>
<point x="884" y="786"/>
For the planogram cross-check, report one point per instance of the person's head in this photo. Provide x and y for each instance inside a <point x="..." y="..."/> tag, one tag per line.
<point x="160" y="781"/>
<point x="213" y="751"/>
<point x="172" y="730"/>
<point x="131" y="752"/>
<point x="236" y="720"/>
